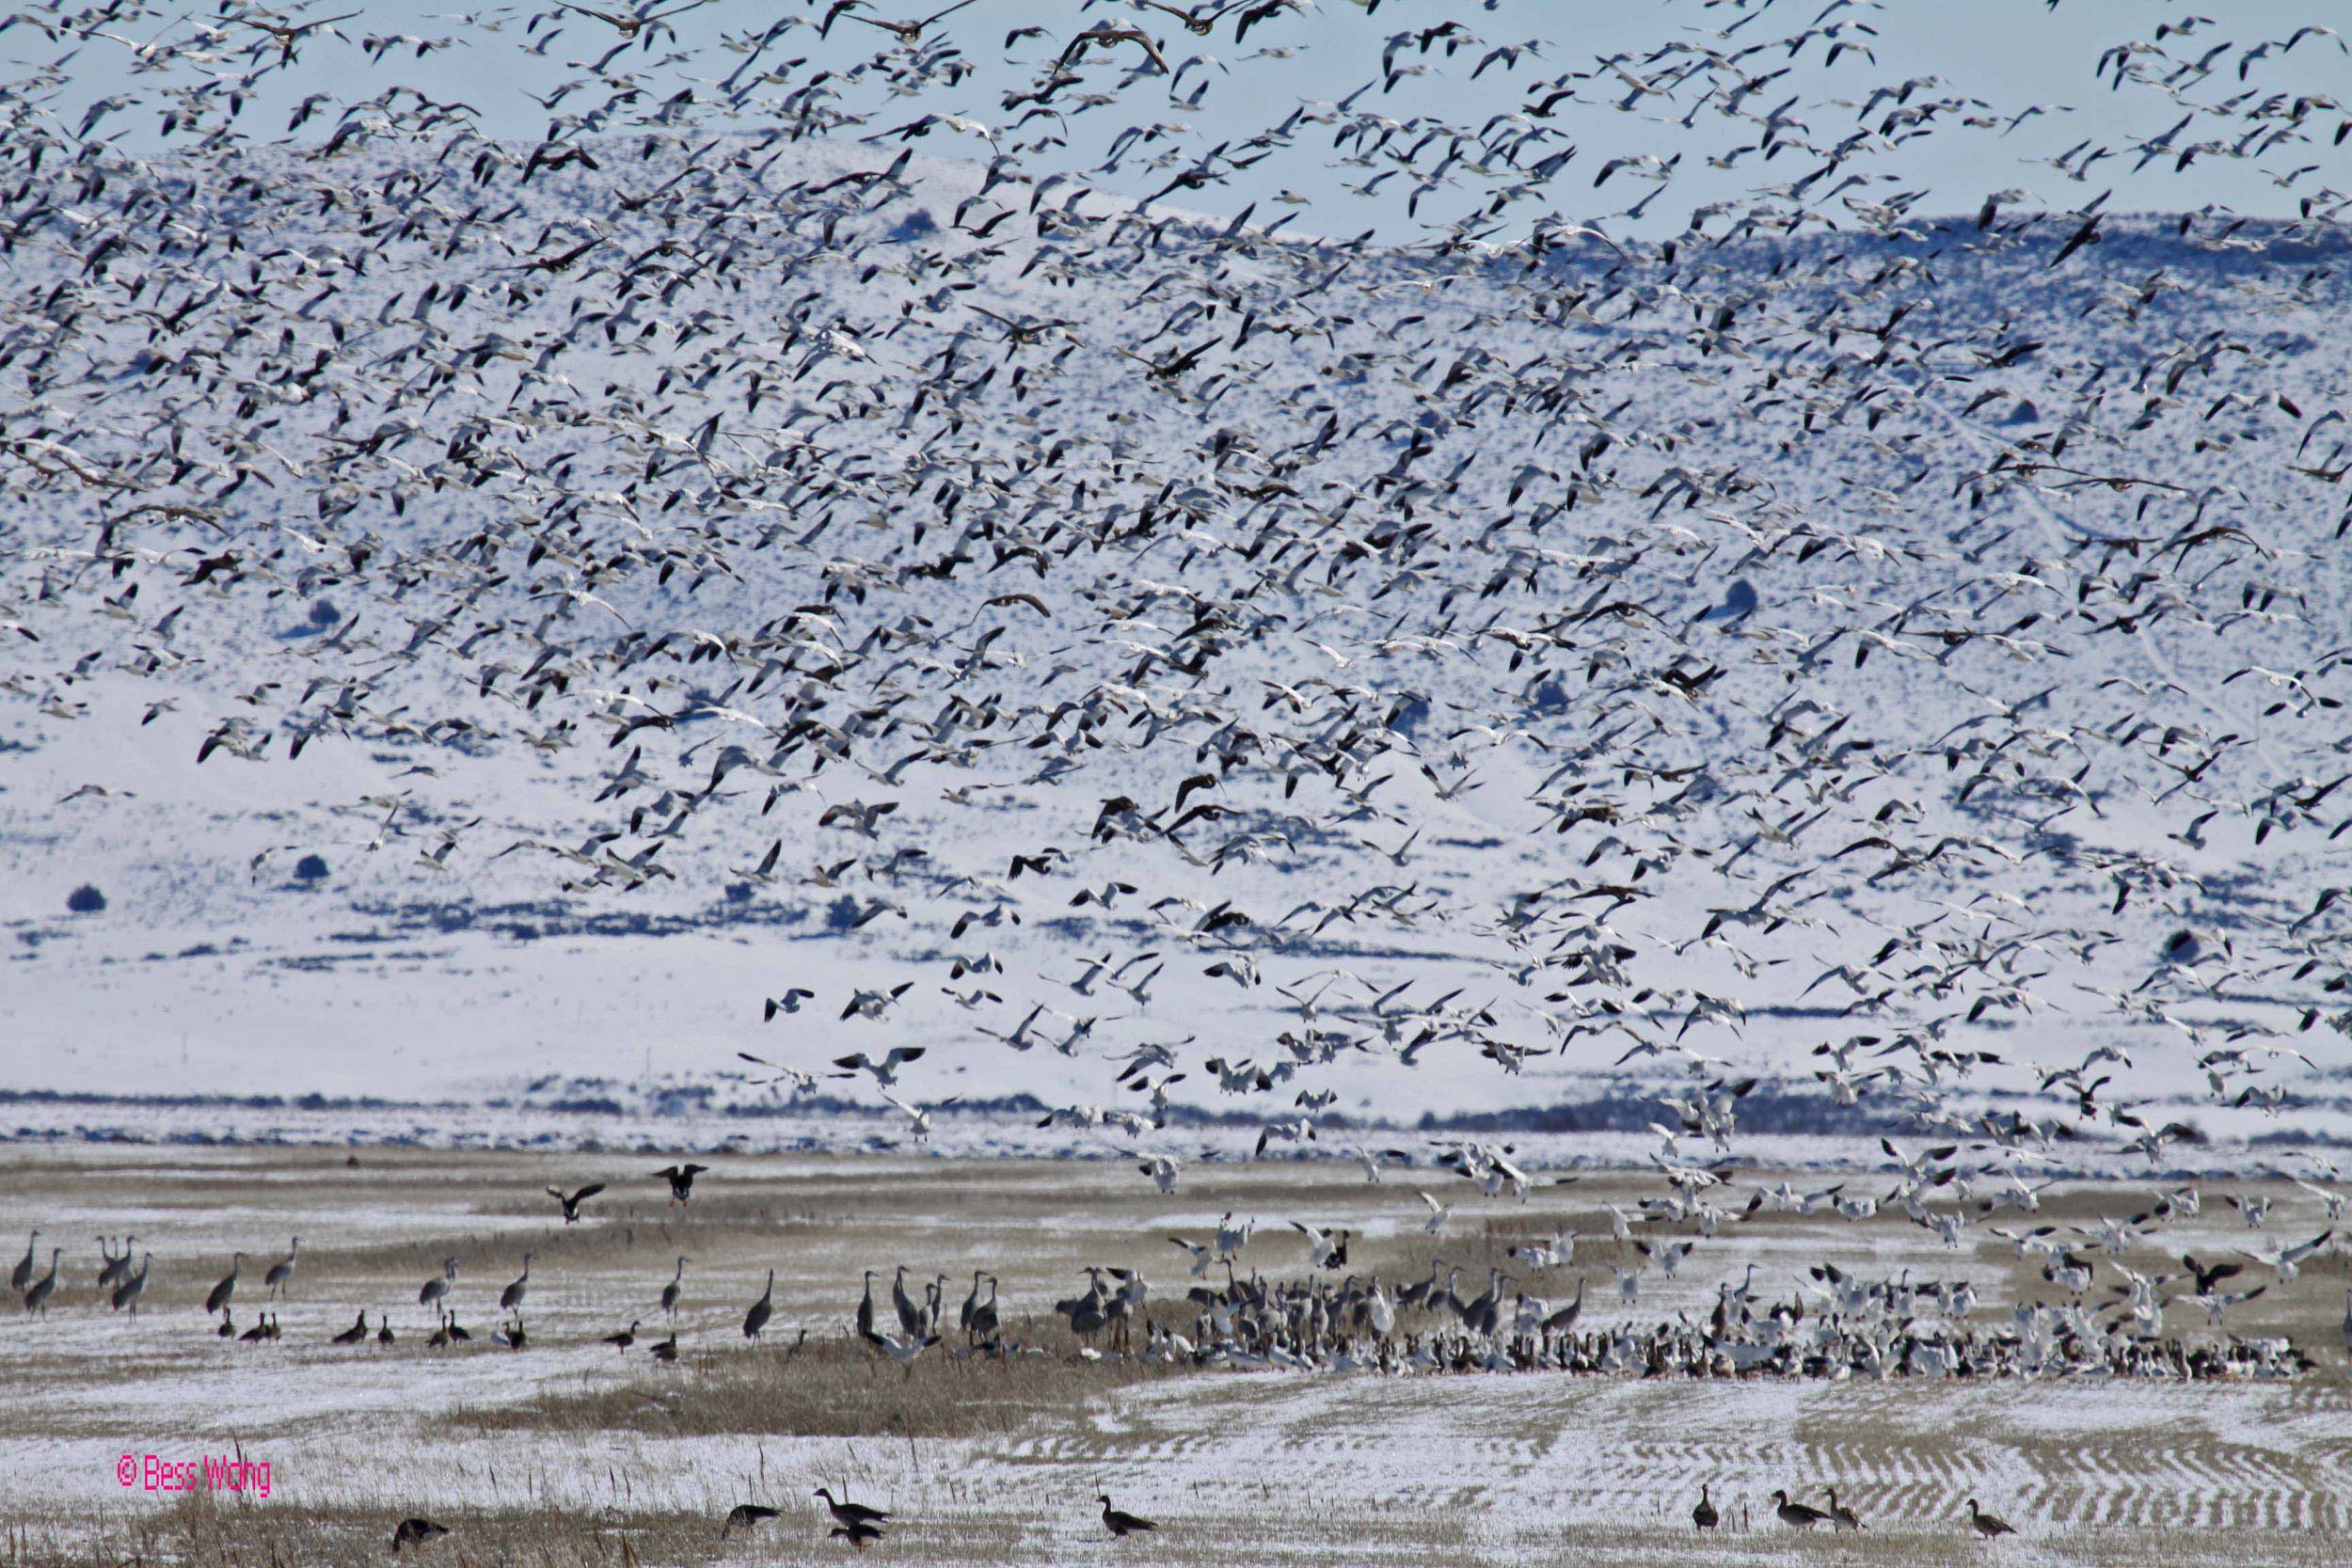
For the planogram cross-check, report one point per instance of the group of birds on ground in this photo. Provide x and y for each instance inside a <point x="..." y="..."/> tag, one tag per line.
<point x="1337" y="1317"/>
<point x="1837" y="1325"/>
<point x="1840" y="1518"/>
<point x="854" y="1524"/>
<point x="1822" y="621"/>
<point x="120" y="1288"/>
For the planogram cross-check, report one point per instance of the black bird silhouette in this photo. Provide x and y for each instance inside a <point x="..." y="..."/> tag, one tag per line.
<point x="1121" y="1523"/>
<point x="681" y="1180"/>
<point x="744" y="1516"/>
<point x="571" y="1203"/>
<point x="415" y="1532"/>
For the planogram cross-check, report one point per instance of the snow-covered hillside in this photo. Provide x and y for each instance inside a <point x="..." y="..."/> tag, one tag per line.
<point x="698" y="593"/>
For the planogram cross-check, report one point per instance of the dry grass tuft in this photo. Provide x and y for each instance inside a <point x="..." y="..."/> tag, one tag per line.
<point x="828" y="1388"/>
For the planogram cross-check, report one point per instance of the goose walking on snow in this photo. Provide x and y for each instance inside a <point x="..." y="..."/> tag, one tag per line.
<point x="1988" y="1525"/>
<point x="1121" y="1523"/>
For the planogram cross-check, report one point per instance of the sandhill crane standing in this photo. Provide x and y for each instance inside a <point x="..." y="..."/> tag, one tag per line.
<point x="436" y="1289"/>
<point x="118" y="1263"/>
<point x="983" y="1324"/>
<point x="22" y="1278"/>
<point x="865" y="1312"/>
<point x="756" y="1319"/>
<point x="37" y="1294"/>
<point x="511" y="1299"/>
<point x="221" y="1293"/>
<point x="971" y="1303"/>
<point x="670" y="1292"/>
<point x="284" y="1269"/>
<point x="910" y="1315"/>
<point x="128" y="1293"/>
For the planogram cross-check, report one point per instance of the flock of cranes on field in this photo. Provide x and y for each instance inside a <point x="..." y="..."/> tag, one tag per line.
<point x="1341" y="1318"/>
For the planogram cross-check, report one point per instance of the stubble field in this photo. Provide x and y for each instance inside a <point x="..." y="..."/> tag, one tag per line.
<point x="572" y="1451"/>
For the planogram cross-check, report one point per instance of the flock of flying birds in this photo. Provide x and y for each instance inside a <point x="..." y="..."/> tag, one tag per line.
<point x="1517" y="638"/>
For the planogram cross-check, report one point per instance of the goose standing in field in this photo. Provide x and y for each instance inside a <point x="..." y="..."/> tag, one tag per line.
<point x="222" y="1293"/>
<point x="1120" y="1524"/>
<point x="282" y="1270"/>
<point x="756" y="1319"/>
<point x="1988" y="1525"/>
<point x="744" y="1516"/>
<point x="670" y="1292"/>
<point x="681" y="1180"/>
<point x="1842" y="1519"/>
<point x="625" y="1337"/>
<point x="511" y="1299"/>
<point x="355" y="1333"/>
<point x="128" y="1293"/>
<point x="860" y="1536"/>
<point x="1704" y="1517"/>
<point x="37" y="1294"/>
<point x="415" y="1532"/>
<point x="848" y="1513"/>
<point x="1796" y="1515"/>
<point x="22" y="1277"/>
<point x="383" y="1331"/>
<point x="666" y="1351"/>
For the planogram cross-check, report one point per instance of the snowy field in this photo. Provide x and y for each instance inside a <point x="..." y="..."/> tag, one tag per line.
<point x="569" y="1447"/>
